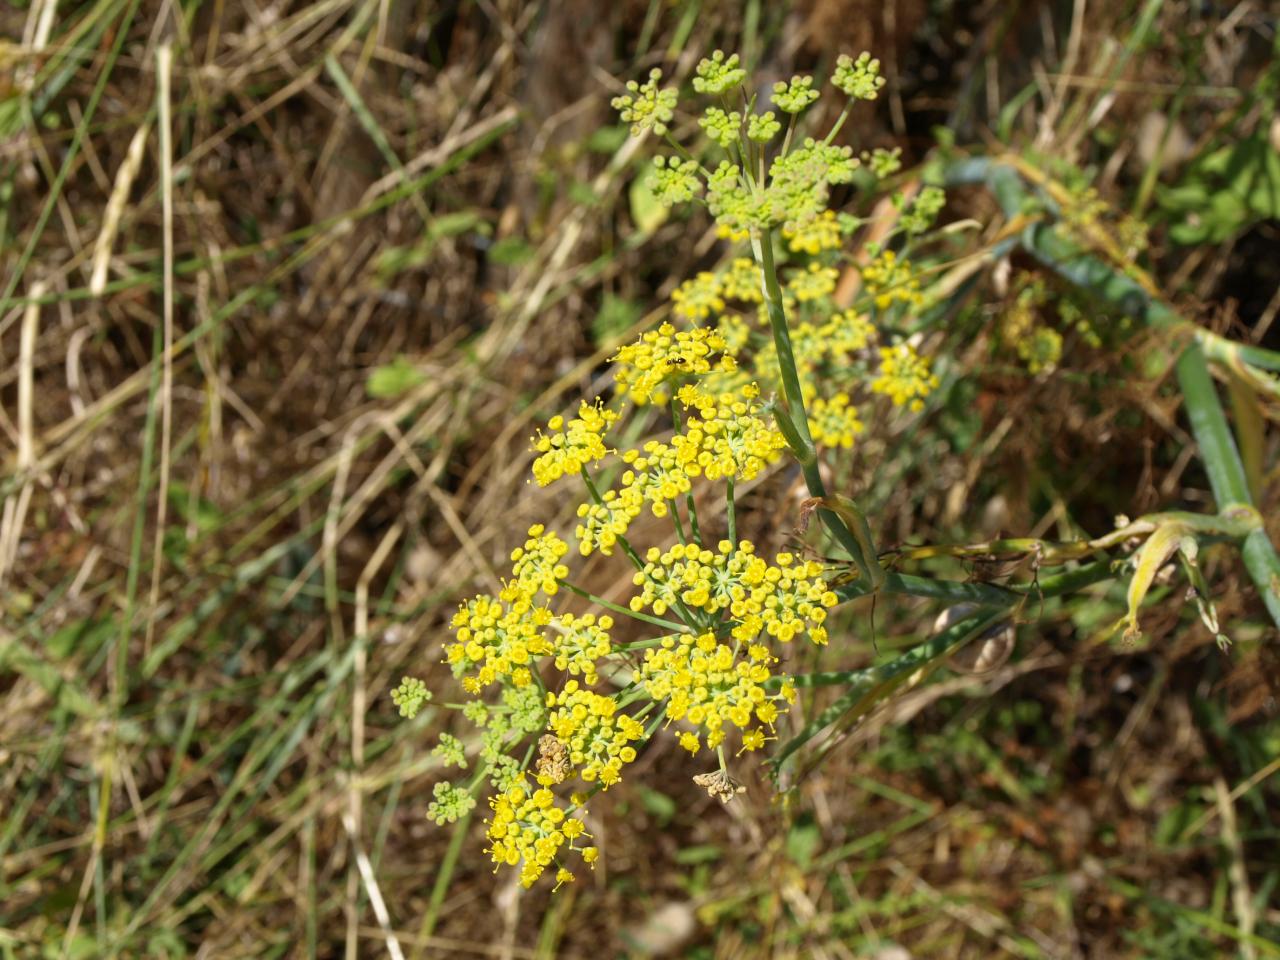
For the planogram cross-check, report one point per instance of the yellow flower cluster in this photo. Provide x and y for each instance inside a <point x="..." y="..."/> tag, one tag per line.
<point x="741" y="281"/>
<point x="812" y="284"/>
<point x="645" y="365"/>
<point x="496" y="641"/>
<point x="569" y="448"/>
<point x="846" y="333"/>
<point x="536" y="566"/>
<point x="834" y="422"/>
<point x="598" y="738"/>
<point x="888" y="280"/>
<point x="581" y="642"/>
<point x="601" y="524"/>
<point x="528" y="830"/>
<point x="727" y="438"/>
<point x="820" y="233"/>
<point x="904" y="377"/>
<point x="698" y="298"/>
<point x="782" y="601"/>
<point x="656" y="475"/>
<point x="709" y="684"/>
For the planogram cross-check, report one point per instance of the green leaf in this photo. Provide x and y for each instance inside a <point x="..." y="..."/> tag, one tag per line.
<point x="452" y="224"/>
<point x="661" y="807"/>
<point x="803" y="840"/>
<point x="510" y="252"/>
<point x="608" y="139"/>
<point x="393" y="379"/>
<point x="706" y="853"/>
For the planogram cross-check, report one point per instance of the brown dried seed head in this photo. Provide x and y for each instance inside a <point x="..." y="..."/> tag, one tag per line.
<point x="720" y="785"/>
<point x="553" y="759"/>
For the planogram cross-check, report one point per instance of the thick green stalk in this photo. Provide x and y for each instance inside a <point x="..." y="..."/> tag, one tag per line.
<point x="1226" y="471"/>
<point x="795" y="424"/>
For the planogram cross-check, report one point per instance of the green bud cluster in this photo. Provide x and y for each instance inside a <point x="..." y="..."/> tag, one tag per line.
<point x="451" y="803"/>
<point x="920" y="216"/>
<point x="795" y="96"/>
<point x="883" y="163"/>
<point x="720" y="127"/>
<point x="718" y="74"/>
<point x="737" y="192"/>
<point x="646" y="107"/>
<point x="675" y="180"/>
<point x="763" y="128"/>
<point x="410" y="696"/>
<point x="451" y="751"/>
<point x="859" y="78"/>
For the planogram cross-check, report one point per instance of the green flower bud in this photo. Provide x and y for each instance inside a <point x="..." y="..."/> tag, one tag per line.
<point x="451" y="751"/>
<point x="795" y="96"/>
<point x="675" y="180"/>
<point x="410" y="696"/>
<point x="720" y="126"/>
<point x="859" y="78"/>
<point x="718" y="74"/>
<point x="451" y="803"/>
<point x="646" y="107"/>
<point x="763" y="128"/>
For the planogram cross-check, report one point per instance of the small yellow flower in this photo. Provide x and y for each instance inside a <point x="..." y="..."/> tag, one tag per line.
<point x="904" y="377"/>
<point x="698" y="298"/>
<point x="596" y="735"/>
<point x="812" y="284"/>
<point x="644" y="366"/>
<point x="820" y="233"/>
<point x="890" y="281"/>
<point x="834" y="422"/>
<point x="567" y="449"/>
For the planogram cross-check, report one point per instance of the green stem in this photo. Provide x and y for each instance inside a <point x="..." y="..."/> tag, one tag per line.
<point x="844" y="115"/>
<point x="622" y="541"/>
<point x="625" y="611"/>
<point x="675" y="517"/>
<point x="795" y="423"/>
<point x="731" y="514"/>
<point x="1226" y="471"/>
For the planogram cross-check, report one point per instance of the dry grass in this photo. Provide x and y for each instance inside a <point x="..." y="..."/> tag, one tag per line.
<point x="219" y="550"/>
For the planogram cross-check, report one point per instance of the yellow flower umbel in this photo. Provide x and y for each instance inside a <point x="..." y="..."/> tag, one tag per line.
<point x="783" y="600"/>
<point x="820" y="233"/>
<point x="601" y="524"/>
<point x="569" y="448"/>
<point x="698" y="298"/>
<point x="580" y="642"/>
<point x="726" y="438"/>
<point x="834" y="422"/>
<point x="741" y="281"/>
<point x="597" y="736"/>
<point x="812" y="284"/>
<point x="528" y="830"/>
<point x="890" y="281"/>
<point x="656" y="475"/>
<point x="536" y="567"/>
<point x="496" y="641"/>
<point x="905" y="377"/>
<point x="846" y="333"/>
<point x="645" y="365"/>
<point x="710" y="685"/>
